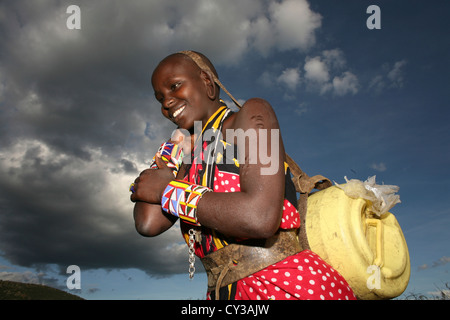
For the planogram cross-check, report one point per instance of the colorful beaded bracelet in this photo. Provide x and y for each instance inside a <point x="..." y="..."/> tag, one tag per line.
<point x="172" y="155"/>
<point x="180" y="198"/>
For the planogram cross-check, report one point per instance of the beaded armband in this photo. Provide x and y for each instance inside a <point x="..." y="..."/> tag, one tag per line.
<point x="172" y="155"/>
<point x="180" y="198"/>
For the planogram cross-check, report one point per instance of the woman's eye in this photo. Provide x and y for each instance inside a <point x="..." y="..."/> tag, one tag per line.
<point x="175" y="85"/>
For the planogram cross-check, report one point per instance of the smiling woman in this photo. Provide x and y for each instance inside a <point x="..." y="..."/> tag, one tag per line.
<point x="242" y="223"/>
<point x="175" y="88"/>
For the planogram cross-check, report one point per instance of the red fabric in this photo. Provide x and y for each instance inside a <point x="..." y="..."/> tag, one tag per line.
<point x="229" y="182"/>
<point x="303" y="276"/>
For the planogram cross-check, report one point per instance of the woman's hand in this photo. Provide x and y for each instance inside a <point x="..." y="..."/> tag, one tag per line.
<point x="150" y="184"/>
<point x="184" y="140"/>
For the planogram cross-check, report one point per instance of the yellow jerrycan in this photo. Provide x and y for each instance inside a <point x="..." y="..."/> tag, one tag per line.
<point x="367" y="247"/>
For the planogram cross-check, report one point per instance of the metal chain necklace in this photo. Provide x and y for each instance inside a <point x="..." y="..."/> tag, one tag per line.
<point x="192" y="236"/>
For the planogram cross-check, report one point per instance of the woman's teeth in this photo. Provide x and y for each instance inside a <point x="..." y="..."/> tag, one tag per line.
<point x="176" y="113"/>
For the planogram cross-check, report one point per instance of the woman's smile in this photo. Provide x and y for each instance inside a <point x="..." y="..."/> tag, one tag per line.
<point x="178" y="112"/>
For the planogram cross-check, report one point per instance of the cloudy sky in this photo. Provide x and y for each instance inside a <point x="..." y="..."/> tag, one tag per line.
<point x="78" y="122"/>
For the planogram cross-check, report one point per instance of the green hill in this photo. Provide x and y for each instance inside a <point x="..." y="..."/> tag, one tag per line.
<point x="10" y="290"/>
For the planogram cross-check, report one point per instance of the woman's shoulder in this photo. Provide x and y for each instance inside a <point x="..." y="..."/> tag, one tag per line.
<point x="255" y="113"/>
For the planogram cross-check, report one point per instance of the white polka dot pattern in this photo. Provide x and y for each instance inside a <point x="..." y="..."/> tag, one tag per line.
<point x="304" y="276"/>
<point x="229" y="182"/>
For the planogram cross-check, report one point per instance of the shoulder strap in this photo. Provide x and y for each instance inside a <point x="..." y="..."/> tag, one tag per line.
<point x="303" y="183"/>
<point x="202" y="65"/>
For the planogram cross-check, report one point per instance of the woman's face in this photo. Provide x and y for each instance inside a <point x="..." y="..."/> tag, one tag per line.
<point x="181" y="88"/>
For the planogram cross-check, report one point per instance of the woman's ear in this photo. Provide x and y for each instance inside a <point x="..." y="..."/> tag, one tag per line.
<point x="210" y="85"/>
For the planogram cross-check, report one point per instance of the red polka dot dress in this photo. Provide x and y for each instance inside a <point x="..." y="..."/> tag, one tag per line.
<point x="303" y="276"/>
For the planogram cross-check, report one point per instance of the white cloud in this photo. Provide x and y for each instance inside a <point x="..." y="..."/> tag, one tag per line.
<point x="381" y="167"/>
<point x="263" y="35"/>
<point x="289" y="24"/>
<point x="347" y="83"/>
<point x="266" y="79"/>
<point x="290" y="77"/>
<point x="396" y="74"/>
<point x="334" y="58"/>
<point x="316" y="70"/>
<point x="438" y="263"/>
<point x="441" y="262"/>
<point x="423" y="267"/>
<point x="24" y="277"/>
<point x="377" y="83"/>
<point x="319" y="71"/>
<point x="301" y="109"/>
<point x="294" y="24"/>
<point x="323" y="73"/>
<point x="388" y="77"/>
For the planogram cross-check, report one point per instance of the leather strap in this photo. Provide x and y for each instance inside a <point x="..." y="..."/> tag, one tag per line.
<point x="237" y="261"/>
<point x="304" y="185"/>
<point x="202" y="65"/>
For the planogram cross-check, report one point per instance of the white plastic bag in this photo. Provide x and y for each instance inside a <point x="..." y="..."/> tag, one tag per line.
<point x="383" y="197"/>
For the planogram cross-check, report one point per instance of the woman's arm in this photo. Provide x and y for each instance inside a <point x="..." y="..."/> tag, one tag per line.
<point x="255" y="211"/>
<point x="149" y="219"/>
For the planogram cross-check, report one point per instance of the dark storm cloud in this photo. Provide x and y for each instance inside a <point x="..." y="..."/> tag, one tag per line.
<point x="71" y="88"/>
<point x="60" y="210"/>
<point x="76" y="105"/>
<point x="79" y="120"/>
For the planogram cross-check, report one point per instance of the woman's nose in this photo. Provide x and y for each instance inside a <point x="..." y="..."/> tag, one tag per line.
<point x="169" y="102"/>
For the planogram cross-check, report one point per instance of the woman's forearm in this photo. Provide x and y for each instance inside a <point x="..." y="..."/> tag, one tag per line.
<point x="149" y="219"/>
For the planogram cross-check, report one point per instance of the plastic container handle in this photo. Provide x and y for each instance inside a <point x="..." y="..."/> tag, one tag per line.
<point x="378" y="261"/>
